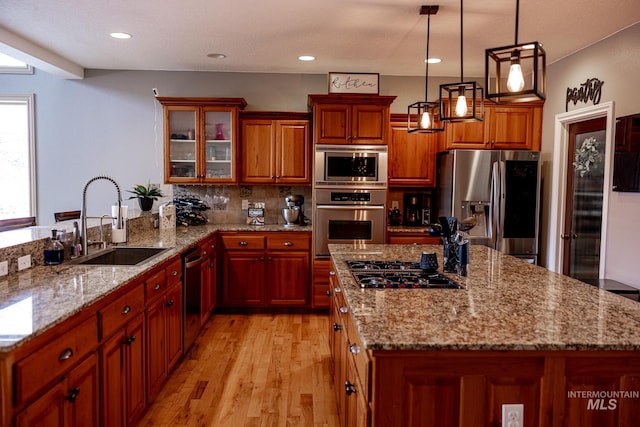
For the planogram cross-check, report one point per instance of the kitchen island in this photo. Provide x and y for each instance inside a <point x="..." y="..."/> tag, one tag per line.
<point x="515" y="334"/>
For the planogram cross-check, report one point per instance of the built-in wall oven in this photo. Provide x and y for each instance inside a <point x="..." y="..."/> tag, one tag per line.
<point x="350" y="192"/>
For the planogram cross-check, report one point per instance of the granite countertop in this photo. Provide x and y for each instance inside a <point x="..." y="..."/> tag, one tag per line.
<point x="41" y="297"/>
<point x="507" y="304"/>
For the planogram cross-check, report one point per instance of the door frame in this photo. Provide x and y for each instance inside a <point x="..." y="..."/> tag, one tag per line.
<point x="559" y="184"/>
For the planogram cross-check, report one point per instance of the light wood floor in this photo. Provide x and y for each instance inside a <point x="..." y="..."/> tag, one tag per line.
<point x="252" y="370"/>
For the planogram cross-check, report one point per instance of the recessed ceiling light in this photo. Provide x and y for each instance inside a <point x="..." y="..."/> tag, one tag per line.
<point x="217" y="55"/>
<point x="120" y="35"/>
<point x="434" y="60"/>
<point x="306" y="58"/>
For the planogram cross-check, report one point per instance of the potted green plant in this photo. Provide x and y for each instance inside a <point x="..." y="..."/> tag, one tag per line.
<point x="145" y="195"/>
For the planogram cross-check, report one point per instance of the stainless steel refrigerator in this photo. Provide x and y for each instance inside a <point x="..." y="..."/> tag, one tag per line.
<point x="501" y="190"/>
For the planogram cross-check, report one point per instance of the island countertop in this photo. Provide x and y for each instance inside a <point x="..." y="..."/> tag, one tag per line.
<point x="507" y="304"/>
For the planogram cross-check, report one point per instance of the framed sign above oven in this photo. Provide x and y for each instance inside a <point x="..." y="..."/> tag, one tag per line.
<point x="362" y="83"/>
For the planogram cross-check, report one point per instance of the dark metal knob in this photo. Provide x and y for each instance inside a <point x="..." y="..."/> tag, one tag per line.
<point x="73" y="394"/>
<point x="336" y="327"/>
<point x="349" y="388"/>
<point x="130" y="340"/>
<point x="170" y="303"/>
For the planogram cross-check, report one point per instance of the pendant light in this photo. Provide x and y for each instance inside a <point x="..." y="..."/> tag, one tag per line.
<point x="423" y="116"/>
<point x="507" y="66"/>
<point x="454" y="105"/>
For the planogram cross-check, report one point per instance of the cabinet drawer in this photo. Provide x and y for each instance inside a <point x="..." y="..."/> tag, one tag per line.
<point x="242" y="242"/>
<point x="51" y="361"/>
<point x="154" y="286"/>
<point x="120" y="311"/>
<point x="173" y="272"/>
<point x="357" y="352"/>
<point x="289" y="242"/>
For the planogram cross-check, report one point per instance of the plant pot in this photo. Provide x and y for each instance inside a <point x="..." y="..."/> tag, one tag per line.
<point x="145" y="203"/>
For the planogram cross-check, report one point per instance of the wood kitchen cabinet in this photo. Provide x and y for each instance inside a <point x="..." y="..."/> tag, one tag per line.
<point x="412" y="238"/>
<point x="412" y="156"/>
<point x="513" y="127"/>
<point x="265" y="269"/>
<point x="320" y="277"/>
<point x="209" y="279"/>
<point x="351" y="119"/>
<point x="163" y="316"/>
<point x="200" y="139"/>
<point x="122" y="358"/>
<point x="275" y="150"/>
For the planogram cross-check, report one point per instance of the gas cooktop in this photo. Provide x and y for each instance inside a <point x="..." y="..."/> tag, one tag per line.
<point x="398" y="275"/>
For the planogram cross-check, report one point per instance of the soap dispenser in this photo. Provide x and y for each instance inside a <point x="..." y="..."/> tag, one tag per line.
<point x="54" y="252"/>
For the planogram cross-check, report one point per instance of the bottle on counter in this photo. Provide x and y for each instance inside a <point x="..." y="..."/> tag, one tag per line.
<point x="54" y="252"/>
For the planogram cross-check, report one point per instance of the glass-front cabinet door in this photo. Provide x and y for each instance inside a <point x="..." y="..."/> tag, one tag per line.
<point x="200" y="139"/>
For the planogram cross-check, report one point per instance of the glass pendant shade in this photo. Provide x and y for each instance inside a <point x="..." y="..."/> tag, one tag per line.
<point x="424" y="116"/>
<point x="499" y="62"/>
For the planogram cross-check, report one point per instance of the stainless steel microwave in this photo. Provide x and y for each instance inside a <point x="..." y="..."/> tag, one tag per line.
<point x="351" y="166"/>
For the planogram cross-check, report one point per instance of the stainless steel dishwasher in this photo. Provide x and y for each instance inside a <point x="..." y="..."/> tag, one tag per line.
<point x="192" y="284"/>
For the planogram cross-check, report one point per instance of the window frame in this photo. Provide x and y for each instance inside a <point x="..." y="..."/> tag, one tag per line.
<point x="29" y="100"/>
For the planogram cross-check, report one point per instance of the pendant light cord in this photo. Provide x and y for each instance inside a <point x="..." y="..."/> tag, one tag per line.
<point x="461" y="51"/>
<point x="426" y="61"/>
<point x="517" y="19"/>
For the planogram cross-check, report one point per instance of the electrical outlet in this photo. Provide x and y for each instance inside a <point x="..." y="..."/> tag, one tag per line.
<point x="245" y="204"/>
<point x="4" y="268"/>
<point x="513" y="415"/>
<point x="24" y="262"/>
<point x="394" y="204"/>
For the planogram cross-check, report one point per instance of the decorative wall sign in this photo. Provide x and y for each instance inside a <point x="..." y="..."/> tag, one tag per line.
<point x="354" y="83"/>
<point x="590" y="90"/>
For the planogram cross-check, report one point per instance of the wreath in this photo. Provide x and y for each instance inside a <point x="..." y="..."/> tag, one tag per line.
<point x="587" y="157"/>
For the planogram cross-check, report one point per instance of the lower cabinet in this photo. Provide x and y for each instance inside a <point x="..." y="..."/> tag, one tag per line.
<point x="266" y="269"/>
<point x="73" y="402"/>
<point x="208" y="278"/>
<point x="412" y="238"/>
<point x="320" y="275"/>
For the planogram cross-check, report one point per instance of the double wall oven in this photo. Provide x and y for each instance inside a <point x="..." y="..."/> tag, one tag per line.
<point x="350" y="191"/>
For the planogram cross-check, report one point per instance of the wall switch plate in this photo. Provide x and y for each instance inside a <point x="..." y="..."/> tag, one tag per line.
<point x="513" y="415"/>
<point x="24" y="262"/>
<point x="4" y="268"/>
<point x="245" y="204"/>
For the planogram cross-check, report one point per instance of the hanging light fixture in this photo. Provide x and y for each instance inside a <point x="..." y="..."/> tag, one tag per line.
<point x="506" y="85"/>
<point x="454" y="105"/>
<point x="423" y="116"/>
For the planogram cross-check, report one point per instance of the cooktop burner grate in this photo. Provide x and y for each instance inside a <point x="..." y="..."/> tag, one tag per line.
<point x="398" y="275"/>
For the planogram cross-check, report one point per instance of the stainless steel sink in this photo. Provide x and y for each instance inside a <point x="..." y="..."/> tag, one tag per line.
<point x="119" y="256"/>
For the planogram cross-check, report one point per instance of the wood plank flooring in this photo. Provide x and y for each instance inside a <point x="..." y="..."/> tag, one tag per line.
<point x="252" y="370"/>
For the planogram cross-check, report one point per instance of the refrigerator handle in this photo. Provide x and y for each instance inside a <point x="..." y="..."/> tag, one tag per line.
<point x="495" y="203"/>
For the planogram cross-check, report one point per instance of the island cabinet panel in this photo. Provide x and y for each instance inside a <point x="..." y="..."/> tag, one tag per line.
<point x="320" y="278"/>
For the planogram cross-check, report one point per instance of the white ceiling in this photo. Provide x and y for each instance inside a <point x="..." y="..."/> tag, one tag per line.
<point x="377" y="36"/>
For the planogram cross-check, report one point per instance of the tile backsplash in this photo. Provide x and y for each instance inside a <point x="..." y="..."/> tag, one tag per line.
<point x="225" y="201"/>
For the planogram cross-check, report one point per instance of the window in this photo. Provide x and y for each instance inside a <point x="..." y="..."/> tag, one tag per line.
<point x="17" y="157"/>
<point x="10" y="65"/>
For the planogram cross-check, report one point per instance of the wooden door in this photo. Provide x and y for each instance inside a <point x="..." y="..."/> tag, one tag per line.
<point x="369" y="124"/>
<point x="583" y="207"/>
<point x="468" y="135"/>
<point x="412" y="158"/>
<point x="332" y="123"/>
<point x="510" y="128"/>
<point x="173" y="309"/>
<point x="83" y="393"/>
<point x="293" y="152"/>
<point x="287" y="278"/>
<point x="156" y="348"/>
<point x="243" y="278"/>
<point x="135" y="369"/>
<point x="47" y="411"/>
<point x="258" y="151"/>
<point x="113" y="380"/>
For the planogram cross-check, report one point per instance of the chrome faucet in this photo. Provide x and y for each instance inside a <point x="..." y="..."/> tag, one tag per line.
<point x="119" y="219"/>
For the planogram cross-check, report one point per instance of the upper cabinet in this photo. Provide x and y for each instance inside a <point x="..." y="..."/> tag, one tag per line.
<point x="412" y="156"/>
<point x="351" y="119"/>
<point x="200" y="139"/>
<point x="276" y="149"/>
<point x="513" y="127"/>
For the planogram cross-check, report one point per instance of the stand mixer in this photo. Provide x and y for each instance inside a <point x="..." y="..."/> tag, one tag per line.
<point x="293" y="214"/>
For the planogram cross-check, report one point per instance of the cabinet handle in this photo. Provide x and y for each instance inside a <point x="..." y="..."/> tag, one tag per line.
<point x="73" y="394"/>
<point x="349" y="388"/>
<point x="337" y="290"/>
<point x="354" y="349"/>
<point x="175" y="273"/>
<point x="243" y="243"/>
<point x="288" y="243"/>
<point x="66" y="354"/>
<point x="332" y="273"/>
<point x="169" y="303"/>
<point x="336" y="327"/>
<point x="328" y="293"/>
<point x="157" y="286"/>
<point x="126" y="310"/>
<point x="261" y="258"/>
<point x="130" y="340"/>
<point x="213" y="246"/>
<point x="204" y="252"/>
<point x="269" y="259"/>
<point x="344" y="310"/>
